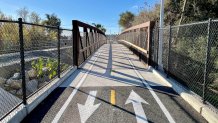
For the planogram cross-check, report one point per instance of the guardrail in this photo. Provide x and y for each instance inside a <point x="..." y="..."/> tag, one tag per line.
<point x="33" y="55"/>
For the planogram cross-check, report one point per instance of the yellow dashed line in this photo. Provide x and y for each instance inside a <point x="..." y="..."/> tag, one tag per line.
<point x="113" y="97"/>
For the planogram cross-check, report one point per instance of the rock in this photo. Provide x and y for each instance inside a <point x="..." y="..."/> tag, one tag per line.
<point x="15" y="84"/>
<point x="2" y="81"/>
<point x="19" y="92"/>
<point x="43" y="79"/>
<point x="32" y="85"/>
<point x="6" y="85"/>
<point x="16" y="76"/>
<point x="32" y="74"/>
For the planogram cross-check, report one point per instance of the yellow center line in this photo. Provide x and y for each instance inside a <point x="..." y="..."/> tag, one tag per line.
<point x="113" y="97"/>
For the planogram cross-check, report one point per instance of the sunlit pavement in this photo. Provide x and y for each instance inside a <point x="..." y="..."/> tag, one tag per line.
<point x="113" y="86"/>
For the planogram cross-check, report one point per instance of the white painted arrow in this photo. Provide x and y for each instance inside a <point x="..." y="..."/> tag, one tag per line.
<point x="88" y="109"/>
<point x="137" y="101"/>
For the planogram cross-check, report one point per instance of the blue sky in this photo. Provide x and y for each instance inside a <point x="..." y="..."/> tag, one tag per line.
<point x="105" y="12"/>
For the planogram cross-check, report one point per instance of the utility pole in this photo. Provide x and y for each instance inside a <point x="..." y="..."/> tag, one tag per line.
<point x="160" y="63"/>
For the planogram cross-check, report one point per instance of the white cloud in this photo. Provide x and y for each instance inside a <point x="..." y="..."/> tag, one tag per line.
<point x="135" y="7"/>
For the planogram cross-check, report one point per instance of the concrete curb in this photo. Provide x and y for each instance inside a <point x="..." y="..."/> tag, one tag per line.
<point x="23" y="110"/>
<point x="189" y="96"/>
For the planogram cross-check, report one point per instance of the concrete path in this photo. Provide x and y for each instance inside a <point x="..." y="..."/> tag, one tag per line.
<point x="113" y="86"/>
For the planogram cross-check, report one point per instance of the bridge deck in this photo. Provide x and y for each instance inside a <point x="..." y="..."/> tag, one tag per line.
<point x="113" y="86"/>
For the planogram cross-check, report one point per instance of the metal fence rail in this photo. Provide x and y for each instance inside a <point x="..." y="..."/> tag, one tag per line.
<point x="33" y="55"/>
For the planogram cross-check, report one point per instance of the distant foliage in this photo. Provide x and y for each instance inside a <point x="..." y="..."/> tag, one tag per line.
<point x="147" y="15"/>
<point x="194" y="10"/>
<point x="34" y="36"/>
<point x="126" y="19"/>
<point x="51" y="20"/>
<point x="99" y="26"/>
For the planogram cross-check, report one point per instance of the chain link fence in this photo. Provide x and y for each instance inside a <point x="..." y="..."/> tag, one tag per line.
<point x="9" y="64"/>
<point x="33" y="55"/>
<point x="38" y="53"/>
<point x="190" y="55"/>
<point x="66" y="49"/>
<point x="154" y="45"/>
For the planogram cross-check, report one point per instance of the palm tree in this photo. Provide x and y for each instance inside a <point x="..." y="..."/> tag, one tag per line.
<point x="99" y="26"/>
<point x="52" y="20"/>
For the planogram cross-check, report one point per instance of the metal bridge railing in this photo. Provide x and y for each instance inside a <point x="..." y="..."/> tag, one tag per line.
<point x="87" y="39"/>
<point x="33" y="55"/>
<point x="139" y="35"/>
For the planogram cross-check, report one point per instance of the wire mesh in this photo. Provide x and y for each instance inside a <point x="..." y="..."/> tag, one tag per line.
<point x="10" y="80"/>
<point x="165" y="40"/>
<point x="211" y="92"/>
<point x="188" y="55"/>
<point x="192" y="57"/>
<point x="41" y="56"/>
<point x="66" y="50"/>
<point x="154" y="46"/>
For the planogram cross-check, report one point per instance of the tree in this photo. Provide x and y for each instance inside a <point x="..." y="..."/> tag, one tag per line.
<point x="187" y="11"/>
<point x="2" y="16"/>
<point x="126" y="19"/>
<point x="99" y="26"/>
<point x="52" y="20"/>
<point x="23" y="13"/>
<point x="34" y="18"/>
<point x="147" y="15"/>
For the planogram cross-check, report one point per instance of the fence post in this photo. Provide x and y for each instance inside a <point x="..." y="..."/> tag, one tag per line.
<point x="72" y="47"/>
<point x="59" y="53"/>
<point x="206" y="65"/>
<point x="169" y="48"/>
<point x="157" y="50"/>
<point x="75" y="43"/>
<point x="22" y="60"/>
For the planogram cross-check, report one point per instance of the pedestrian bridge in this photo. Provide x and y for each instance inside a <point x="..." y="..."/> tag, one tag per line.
<point x="107" y="81"/>
<point x="113" y="86"/>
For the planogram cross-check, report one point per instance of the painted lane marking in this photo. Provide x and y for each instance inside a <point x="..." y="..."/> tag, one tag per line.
<point x="63" y="108"/>
<point x="163" y="108"/>
<point x="89" y="108"/>
<point x="113" y="97"/>
<point x="137" y="101"/>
